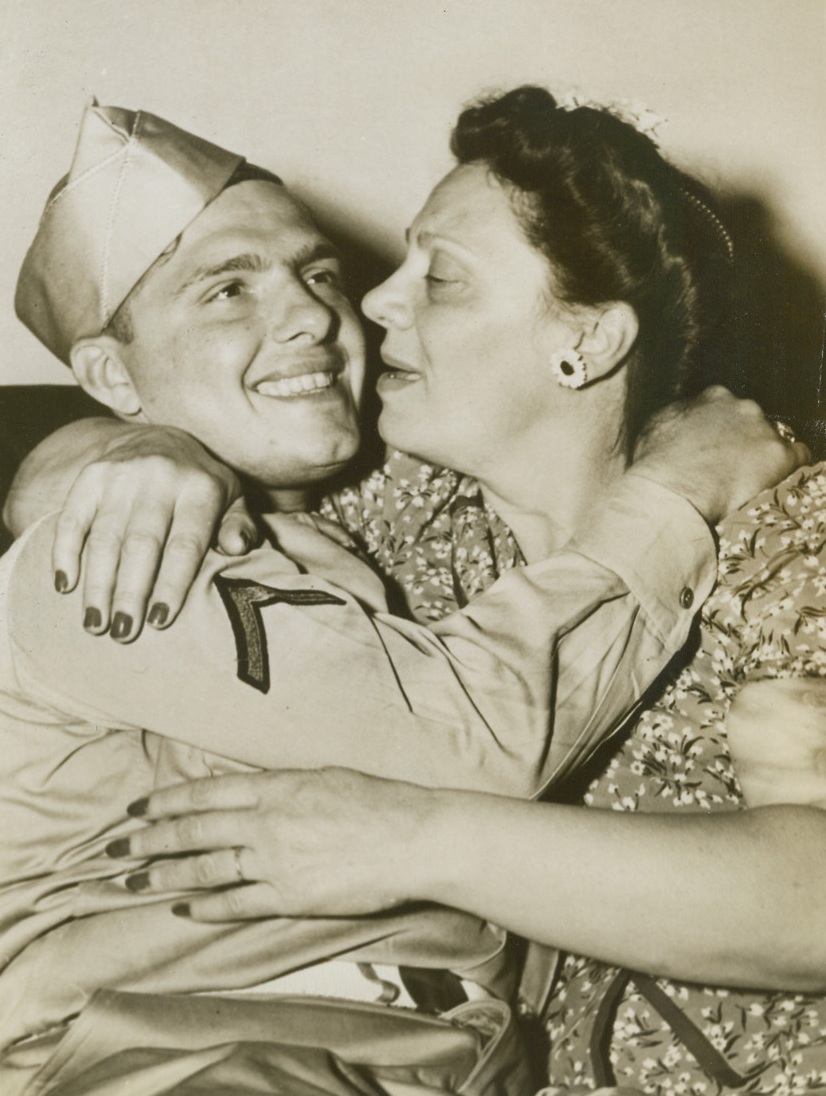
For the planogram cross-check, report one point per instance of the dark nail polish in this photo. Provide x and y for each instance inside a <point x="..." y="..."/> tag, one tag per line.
<point x="118" y="849"/>
<point x="181" y="909"/>
<point x="138" y="882"/>
<point x="158" y="614"/>
<point x="92" y="618"/>
<point x="121" y="626"/>
<point x="61" y="582"/>
<point x="139" y="808"/>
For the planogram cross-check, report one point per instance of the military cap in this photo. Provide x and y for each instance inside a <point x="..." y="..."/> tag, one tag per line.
<point x="135" y="183"/>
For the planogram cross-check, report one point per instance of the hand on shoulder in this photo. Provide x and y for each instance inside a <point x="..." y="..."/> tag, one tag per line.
<point x="717" y="451"/>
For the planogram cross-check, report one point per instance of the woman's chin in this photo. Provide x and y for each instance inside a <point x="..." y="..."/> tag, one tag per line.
<point x="397" y="431"/>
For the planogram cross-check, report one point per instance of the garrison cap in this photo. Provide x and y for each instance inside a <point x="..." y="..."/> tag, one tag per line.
<point x="135" y="183"/>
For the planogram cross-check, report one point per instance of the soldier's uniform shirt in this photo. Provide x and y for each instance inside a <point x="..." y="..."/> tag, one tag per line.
<point x="290" y="659"/>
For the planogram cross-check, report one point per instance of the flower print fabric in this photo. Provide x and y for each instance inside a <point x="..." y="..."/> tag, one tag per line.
<point x="766" y="618"/>
<point x="430" y="532"/>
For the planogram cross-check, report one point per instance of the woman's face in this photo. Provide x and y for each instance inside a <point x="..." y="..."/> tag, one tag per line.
<point x="471" y="324"/>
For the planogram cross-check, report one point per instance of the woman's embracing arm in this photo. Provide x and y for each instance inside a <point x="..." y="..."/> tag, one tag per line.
<point x="45" y="477"/>
<point x="142" y="502"/>
<point x="729" y="899"/>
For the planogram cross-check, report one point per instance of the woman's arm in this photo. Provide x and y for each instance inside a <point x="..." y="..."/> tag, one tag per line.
<point x="153" y="491"/>
<point x="143" y="501"/>
<point x="729" y="899"/>
<point x="45" y="477"/>
<point x="733" y="899"/>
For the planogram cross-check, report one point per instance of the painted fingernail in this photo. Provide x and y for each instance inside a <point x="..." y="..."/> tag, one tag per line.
<point x="138" y="882"/>
<point x="139" y="808"/>
<point x="181" y="909"/>
<point x="121" y="626"/>
<point x="91" y="619"/>
<point x="118" y="849"/>
<point x="61" y="582"/>
<point x="158" y="614"/>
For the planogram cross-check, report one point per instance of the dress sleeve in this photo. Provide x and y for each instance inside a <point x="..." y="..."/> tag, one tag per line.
<point x="279" y="668"/>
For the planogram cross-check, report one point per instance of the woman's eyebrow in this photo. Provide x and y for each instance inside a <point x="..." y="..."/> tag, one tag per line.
<point x="425" y="238"/>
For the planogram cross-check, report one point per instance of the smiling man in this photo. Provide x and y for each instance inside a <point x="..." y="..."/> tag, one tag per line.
<point x="240" y="333"/>
<point x="187" y="288"/>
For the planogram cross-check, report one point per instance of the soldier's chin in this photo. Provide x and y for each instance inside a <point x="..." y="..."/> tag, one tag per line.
<point x="309" y="467"/>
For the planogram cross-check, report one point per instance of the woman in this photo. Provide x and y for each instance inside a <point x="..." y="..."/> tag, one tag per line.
<point x="578" y="211"/>
<point x="561" y="229"/>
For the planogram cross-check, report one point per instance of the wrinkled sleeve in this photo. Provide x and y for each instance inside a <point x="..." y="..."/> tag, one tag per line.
<point x="281" y="669"/>
<point x="602" y="619"/>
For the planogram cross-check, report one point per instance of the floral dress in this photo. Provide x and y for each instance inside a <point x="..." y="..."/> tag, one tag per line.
<point x="430" y="533"/>
<point x="766" y="618"/>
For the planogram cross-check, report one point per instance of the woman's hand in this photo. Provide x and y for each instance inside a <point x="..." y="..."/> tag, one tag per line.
<point x="144" y="514"/>
<point x="323" y="842"/>
<point x="777" y="738"/>
<point x="332" y="842"/>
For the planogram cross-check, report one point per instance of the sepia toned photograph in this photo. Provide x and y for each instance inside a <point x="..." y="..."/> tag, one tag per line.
<point x="413" y="548"/>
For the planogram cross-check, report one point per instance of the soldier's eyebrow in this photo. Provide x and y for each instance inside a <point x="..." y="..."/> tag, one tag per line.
<point x="248" y="262"/>
<point x="315" y="251"/>
<point x="252" y="263"/>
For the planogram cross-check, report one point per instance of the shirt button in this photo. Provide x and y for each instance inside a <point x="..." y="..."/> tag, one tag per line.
<point x="686" y="597"/>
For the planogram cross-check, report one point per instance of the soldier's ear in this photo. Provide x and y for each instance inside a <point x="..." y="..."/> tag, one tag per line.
<point x="98" y="364"/>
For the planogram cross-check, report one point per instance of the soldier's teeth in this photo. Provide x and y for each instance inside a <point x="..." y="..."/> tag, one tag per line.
<point x="296" y="386"/>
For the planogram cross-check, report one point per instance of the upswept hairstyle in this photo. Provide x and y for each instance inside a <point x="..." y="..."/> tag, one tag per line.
<point x="616" y="222"/>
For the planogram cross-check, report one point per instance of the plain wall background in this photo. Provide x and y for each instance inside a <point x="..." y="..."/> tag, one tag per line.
<point x="352" y="102"/>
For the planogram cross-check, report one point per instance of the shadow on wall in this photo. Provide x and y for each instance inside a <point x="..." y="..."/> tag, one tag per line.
<point x="779" y="324"/>
<point x="364" y="268"/>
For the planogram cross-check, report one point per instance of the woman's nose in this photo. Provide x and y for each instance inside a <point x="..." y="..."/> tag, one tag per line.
<point x="387" y="304"/>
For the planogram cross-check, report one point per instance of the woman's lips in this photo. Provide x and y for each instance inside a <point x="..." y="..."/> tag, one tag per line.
<point x="396" y="373"/>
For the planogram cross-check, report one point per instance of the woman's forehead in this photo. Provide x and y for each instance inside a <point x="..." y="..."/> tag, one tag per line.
<point x="465" y="195"/>
<point x="472" y="209"/>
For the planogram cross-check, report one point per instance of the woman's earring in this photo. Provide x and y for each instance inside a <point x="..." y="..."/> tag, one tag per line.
<point x="569" y="368"/>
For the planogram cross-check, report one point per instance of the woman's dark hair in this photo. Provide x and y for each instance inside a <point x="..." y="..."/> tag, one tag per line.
<point x="617" y="222"/>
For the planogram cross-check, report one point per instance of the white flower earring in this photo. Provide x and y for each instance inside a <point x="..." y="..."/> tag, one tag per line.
<point x="569" y="368"/>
